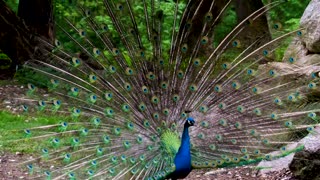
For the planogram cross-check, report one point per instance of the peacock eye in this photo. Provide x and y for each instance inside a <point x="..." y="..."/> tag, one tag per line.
<point x="299" y="33"/>
<point x="82" y="33"/>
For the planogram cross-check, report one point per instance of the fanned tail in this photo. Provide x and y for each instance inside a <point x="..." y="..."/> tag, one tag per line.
<point x="128" y="84"/>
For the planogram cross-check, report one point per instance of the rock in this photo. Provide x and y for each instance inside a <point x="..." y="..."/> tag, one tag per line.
<point x="277" y="164"/>
<point x="293" y="72"/>
<point x="296" y="50"/>
<point x="306" y="163"/>
<point x="311" y="142"/>
<point x="310" y="20"/>
<point x="304" y="49"/>
<point x="308" y="60"/>
<point x="301" y="163"/>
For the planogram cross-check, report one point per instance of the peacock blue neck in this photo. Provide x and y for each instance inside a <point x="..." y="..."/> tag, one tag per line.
<point x="182" y="159"/>
<point x="185" y="142"/>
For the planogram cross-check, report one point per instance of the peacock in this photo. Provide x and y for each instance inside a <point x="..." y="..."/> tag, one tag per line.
<point x="139" y="100"/>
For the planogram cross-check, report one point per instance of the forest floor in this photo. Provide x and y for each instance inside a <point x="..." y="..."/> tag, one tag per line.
<point x="10" y="169"/>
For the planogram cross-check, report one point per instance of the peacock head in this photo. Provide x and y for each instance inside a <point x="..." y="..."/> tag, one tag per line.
<point x="190" y="122"/>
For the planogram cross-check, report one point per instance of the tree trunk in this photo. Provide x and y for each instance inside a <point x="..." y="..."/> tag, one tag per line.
<point x="258" y="30"/>
<point x="19" y="40"/>
<point x="38" y="16"/>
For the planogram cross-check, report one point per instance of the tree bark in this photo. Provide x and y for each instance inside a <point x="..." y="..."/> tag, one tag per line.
<point x="38" y="16"/>
<point x="257" y="30"/>
<point x="19" y="40"/>
<point x="259" y="27"/>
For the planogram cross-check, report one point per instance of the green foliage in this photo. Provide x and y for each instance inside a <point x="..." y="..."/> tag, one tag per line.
<point x="12" y="126"/>
<point x="25" y="76"/>
<point x="290" y="14"/>
<point x="13" y="4"/>
<point x="292" y="9"/>
<point x="5" y="61"/>
<point x="225" y="26"/>
<point x="69" y="10"/>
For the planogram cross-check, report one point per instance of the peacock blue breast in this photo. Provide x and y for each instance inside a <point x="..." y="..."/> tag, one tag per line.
<point x="182" y="159"/>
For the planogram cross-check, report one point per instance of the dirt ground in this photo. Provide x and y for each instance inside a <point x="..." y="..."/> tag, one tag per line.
<point x="7" y="95"/>
<point x="10" y="169"/>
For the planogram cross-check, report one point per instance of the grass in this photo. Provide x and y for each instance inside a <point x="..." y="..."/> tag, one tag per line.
<point x="12" y="136"/>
